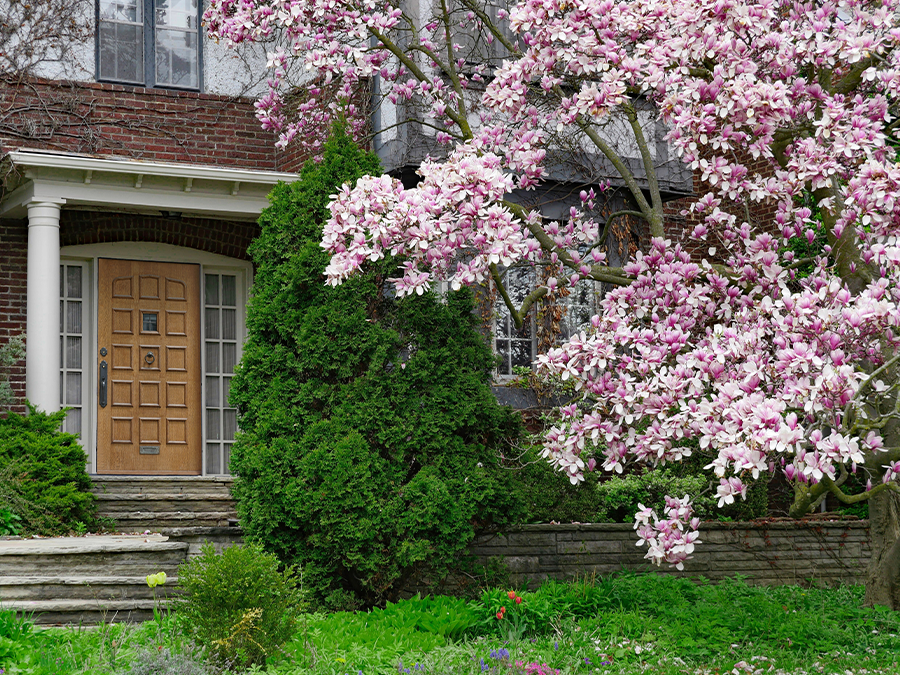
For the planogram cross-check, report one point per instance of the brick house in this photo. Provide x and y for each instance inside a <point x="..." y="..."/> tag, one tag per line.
<point x="129" y="191"/>
<point x="131" y="178"/>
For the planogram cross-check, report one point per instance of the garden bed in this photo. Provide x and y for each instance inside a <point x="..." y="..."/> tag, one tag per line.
<point x="624" y="624"/>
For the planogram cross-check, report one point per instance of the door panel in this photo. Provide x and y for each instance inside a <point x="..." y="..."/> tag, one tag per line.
<point x="149" y="325"/>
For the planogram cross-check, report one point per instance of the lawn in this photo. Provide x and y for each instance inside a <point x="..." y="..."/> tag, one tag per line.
<point x="624" y="624"/>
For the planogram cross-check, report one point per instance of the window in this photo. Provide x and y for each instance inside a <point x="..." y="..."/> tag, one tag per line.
<point x="154" y="43"/>
<point x="517" y="348"/>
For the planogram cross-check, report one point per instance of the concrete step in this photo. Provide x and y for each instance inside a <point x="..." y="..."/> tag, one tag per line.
<point x="112" y="499"/>
<point x="150" y="484"/>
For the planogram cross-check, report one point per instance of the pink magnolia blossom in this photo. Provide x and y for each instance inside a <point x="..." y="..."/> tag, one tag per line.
<point x="779" y="107"/>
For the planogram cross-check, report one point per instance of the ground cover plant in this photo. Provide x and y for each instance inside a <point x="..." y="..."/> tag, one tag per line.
<point x="624" y="625"/>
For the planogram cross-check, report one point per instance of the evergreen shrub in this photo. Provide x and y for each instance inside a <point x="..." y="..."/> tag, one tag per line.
<point x="43" y="475"/>
<point x="369" y="435"/>
<point x="238" y="604"/>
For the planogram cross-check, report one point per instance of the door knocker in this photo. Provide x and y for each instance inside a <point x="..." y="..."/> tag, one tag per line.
<point x="149" y="359"/>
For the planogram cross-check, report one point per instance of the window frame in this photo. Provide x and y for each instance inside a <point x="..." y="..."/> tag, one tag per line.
<point x="149" y="33"/>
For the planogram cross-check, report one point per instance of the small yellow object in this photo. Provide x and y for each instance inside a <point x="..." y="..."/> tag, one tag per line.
<point x="157" y="579"/>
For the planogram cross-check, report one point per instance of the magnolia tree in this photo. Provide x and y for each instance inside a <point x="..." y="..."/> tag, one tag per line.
<point x="768" y="360"/>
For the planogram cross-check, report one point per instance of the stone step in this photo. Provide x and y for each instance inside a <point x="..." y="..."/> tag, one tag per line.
<point x="141" y="521"/>
<point x="195" y="537"/>
<point x="143" y="510"/>
<point x="86" y="580"/>
<point x="138" y="484"/>
<point x="69" y="587"/>
<point x="180" y="497"/>
<point x="66" y="556"/>
<point x="84" y="612"/>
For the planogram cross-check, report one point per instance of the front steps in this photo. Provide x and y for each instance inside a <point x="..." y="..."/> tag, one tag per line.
<point x="140" y="503"/>
<point x="96" y="579"/>
<point x="87" y="580"/>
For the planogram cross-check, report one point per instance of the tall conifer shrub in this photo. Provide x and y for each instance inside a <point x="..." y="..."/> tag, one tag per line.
<point x="369" y="436"/>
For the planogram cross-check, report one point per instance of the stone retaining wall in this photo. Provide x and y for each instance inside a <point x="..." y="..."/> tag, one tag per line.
<point x="770" y="553"/>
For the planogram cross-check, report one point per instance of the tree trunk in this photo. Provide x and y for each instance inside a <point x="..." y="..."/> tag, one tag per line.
<point x="883" y="575"/>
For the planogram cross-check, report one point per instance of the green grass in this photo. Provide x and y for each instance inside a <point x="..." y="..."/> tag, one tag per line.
<point x="623" y="625"/>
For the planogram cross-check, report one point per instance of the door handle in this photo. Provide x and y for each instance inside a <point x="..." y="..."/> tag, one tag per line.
<point x="103" y="384"/>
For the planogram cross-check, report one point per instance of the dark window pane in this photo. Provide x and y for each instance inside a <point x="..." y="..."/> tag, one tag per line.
<point x="212" y="323"/>
<point x="212" y="392"/>
<point x="73" y="282"/>
<point x="229" y="293"/>
<point x="229" y="324"/>
<point x="213" y="425"/>
<point x="150" y="323"/>
<point x="521" y="353"/>
<point x="212" y="357"/>
<point x="212" y="458"/>
<point x="73" y="317"/>
<point x="73" y="353"/>
<point x="212" y="289"/>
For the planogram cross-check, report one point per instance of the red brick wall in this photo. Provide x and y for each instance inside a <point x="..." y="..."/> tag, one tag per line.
<point x="679" y="227"/>
<point x="135" y="122"/>
<point x="88" y="227"/>
<point x="13" y="249"/>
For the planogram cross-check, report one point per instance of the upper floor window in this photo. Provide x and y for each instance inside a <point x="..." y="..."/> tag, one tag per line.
<point x="154" y="43"/>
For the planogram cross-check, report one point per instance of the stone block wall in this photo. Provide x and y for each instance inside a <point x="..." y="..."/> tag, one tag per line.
<point x="770" y="553"/>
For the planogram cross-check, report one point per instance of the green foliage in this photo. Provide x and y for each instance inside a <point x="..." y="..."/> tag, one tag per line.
<point x="416" y="624"/>
<point x="10" y="523"/>
<point x="17" y="644"/>
<point x="619" y="625"/>
<point x="43" y="474"/>
<point x="549" y="496"/>
<point x="165" y="662"/>
<point x="10" y="354"/>
<point x="238" y="604"/>
<point x="369" y="433"/>
<point x="620" y="496"/>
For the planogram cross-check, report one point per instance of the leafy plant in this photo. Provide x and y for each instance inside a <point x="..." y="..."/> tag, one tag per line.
<point x="10" y="523"/>
<point x="238" y="603"/>
<point x="548" y="494"/>
<point x="10" y="354"/>
<point x="369" y="432"/>
<point x="620" y="496"/>
<point x="165" y="662"/>
<point x="43" y="474"/>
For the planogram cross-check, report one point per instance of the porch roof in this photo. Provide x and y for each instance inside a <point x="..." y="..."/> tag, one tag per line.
<point x="129" y="184"/>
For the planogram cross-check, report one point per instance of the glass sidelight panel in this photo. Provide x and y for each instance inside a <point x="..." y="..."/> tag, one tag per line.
<point x="222" y="353"/>
<point x="71" y="342"/>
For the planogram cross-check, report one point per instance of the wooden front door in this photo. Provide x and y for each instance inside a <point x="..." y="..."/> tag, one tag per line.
<point x="148" y="337"/>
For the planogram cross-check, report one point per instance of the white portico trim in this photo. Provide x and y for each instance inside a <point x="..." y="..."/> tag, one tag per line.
<point x="43" y="182"/>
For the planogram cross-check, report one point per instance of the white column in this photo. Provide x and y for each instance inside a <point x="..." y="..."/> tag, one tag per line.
<point x="42" y="314"/>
